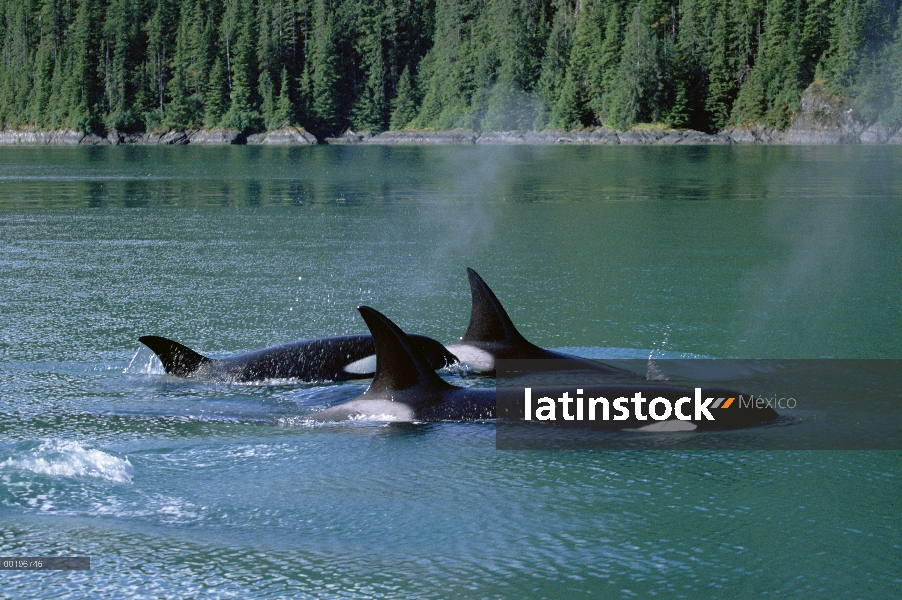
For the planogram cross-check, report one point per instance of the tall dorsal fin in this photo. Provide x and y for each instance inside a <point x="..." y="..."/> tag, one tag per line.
<point x="399" y="363"/>
<point x="488" y="319"/>
<point x="177" y="359"/>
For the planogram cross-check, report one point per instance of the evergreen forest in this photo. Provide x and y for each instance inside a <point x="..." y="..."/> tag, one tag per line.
<point x="330" y="65"/>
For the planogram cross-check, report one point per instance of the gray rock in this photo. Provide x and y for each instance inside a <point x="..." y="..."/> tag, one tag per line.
<point x="754" y="134"/>
<point x="503" y="138"/>
<point x="641" y="136"/>
<point x="159" y="137"/>
<point x="120" y="137"/>
<point x="349" y="137"/>
<point x="876" y="134"/>
<point x="31" y="137"/>
<point x="284" y="136"/>
<point x="212" y="137"/>
<point x="601" y="135"/>
<point x="94" y="139"/>
<point x="823" y="119"/>
<point x="413" y="136"/>
<point x="740" y="136"/>
<point x="173" y="138"/>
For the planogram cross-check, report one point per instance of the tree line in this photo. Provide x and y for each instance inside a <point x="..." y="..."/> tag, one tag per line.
<point x="329" y="65"/>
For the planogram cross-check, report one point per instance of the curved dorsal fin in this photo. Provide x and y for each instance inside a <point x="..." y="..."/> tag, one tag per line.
<point x="399" y="363"/>
<point x="488" y="319"/>
<point x="177" y="359"/>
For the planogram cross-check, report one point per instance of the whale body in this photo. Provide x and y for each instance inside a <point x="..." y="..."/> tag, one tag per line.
<point x="406" y="388"/>
<point x="338" y="358"/>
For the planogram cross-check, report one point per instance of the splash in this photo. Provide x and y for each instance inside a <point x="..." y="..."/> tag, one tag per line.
<point x="59" y="458"/>
<point x="144" y="362"/>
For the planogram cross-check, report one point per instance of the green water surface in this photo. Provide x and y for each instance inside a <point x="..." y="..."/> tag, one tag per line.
<point x="180" y="488"/>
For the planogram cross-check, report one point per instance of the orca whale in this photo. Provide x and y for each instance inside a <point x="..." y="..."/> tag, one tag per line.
<point x="406" y="388"/>
<point x="322" y="359"/>
<point x="491" y="335"/>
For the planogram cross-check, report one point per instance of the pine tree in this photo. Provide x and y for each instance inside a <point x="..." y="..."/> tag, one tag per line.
<point x="268" y="99"/>
<point x="17" y="70"/>
<point x="370" y="108"/>
<point x="83" y="85"/>
<point x="184" y="108"/>
<point x="324" y="72"/>
<point x="124" y="43"/>
<point x="284" y="114"/>
<point x="608" y="64"/>
<point x="636" y="96"/>
<point x="774" y="86"/>
<point x="242" y="114"/>
<point x="404" y="105"/>
<point x="720" y="78"/>
<point x="892" y="115"/>
<point x="554" y="64"/>
<point x="215" y="104"/>
<point x="815" y="36"/>
<point x="583" y="79"/>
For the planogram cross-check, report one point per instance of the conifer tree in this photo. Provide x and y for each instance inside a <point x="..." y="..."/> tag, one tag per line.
<point x="215" y="104"/>
<point x="637" y="93"/>
<point x="774" y="85"/>
<point x="83" y="86"/>
<point x="608" y="64"/>
<point x="324" y="71"/>
<point x="242" y="114"/>
<point x="404" y="105"/>
<point x="284" y="114"/>
<point x="371" y="105"/>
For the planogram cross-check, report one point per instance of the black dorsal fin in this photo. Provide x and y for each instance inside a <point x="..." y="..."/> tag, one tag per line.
<point x="177" y="359"/>
<point x="488" y="319"/>
<point x="399" y="364"/>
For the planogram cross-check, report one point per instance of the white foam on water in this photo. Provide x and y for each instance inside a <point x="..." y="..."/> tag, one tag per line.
<point x="60" y="458"/>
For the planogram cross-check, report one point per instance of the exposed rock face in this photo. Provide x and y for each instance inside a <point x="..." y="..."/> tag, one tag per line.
<point x="823" y="119"/>
<point x="285" y="136"/>
<point x="598" y="136"/>
<point x="349" y="137"/>
<point x="215" y="137"/>
<point x="412" y="136"/>
<point x="876" y="134"/>
<point x="93" y="139"/>
<point x="65" y="137"/>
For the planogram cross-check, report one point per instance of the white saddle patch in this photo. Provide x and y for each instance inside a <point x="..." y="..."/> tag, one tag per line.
<point x="367" y="410"/>
<point x="669" y="425"/>
<point x="364" y="366"/>
<point x="473" y="357"/>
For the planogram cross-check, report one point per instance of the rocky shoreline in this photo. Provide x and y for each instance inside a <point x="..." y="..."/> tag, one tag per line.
<point x="875" y="134"/>
<point x="822" y="120"/>
<point x="285" y="136"/>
